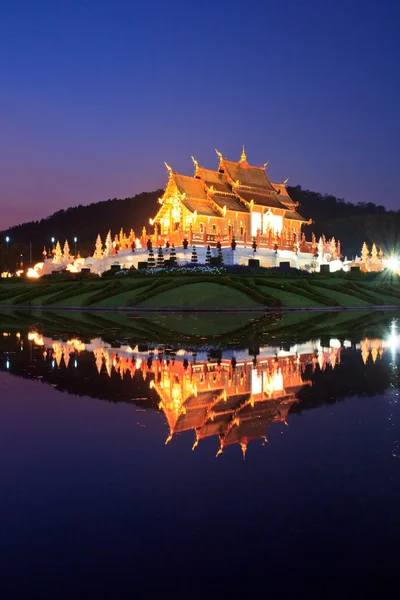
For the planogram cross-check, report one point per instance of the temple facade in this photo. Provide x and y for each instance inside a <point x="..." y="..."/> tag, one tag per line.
<point x="237" y="201"/>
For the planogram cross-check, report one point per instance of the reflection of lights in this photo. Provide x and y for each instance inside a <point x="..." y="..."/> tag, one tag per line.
<point x="53" y="364"/>
<point x="33" y="336"/>
<point x="334" y="343"/>
<point x="75" y="363"/>
<point x="7" y="364"/>
<point x="393" y="341"/>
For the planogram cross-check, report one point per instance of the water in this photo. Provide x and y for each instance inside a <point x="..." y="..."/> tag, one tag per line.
<point x="237" y="462"/>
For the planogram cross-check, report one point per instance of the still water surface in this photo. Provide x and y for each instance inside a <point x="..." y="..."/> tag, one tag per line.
<point x="151" y="467"/>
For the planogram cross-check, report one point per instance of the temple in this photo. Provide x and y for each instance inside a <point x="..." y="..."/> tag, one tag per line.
<point x="237" y="201"/>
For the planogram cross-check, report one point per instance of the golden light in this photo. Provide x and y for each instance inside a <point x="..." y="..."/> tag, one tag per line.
<point x="34" y="336"/>
<point x="32" y="273"/>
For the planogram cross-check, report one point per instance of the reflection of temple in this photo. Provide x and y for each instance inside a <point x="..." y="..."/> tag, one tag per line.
<point x="235" y="398"/>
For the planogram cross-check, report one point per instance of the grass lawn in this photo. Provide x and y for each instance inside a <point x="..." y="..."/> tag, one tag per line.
<point x="342" y="298"/>
<point x="288" y="298"/>
<point x="201" y="295"/>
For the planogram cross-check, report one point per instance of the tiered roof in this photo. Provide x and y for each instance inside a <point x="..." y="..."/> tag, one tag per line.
<point x="235" y="186"/>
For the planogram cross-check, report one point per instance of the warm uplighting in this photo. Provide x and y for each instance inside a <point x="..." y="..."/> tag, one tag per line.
<point x="32" y="273"/>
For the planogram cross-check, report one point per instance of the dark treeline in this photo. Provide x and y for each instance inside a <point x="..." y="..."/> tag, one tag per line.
<point x="350" y="223"/>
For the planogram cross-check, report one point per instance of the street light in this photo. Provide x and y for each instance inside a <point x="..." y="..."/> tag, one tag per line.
<point x="53" y="240"/>
<point x="75" y="240"/>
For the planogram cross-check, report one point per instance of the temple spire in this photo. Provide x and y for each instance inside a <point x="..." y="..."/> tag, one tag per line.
<point x="243" y="157"/>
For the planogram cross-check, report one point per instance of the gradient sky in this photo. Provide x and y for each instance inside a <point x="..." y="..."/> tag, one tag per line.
<point x="96" y="94"/>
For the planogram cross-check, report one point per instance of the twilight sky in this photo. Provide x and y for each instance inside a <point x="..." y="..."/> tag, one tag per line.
<point x="96" y="94"/>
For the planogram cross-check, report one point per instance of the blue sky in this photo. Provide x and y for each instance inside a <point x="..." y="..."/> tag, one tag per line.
<point x="95" y="95"/>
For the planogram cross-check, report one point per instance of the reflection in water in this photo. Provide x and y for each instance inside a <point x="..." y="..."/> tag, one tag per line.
<point x="234" y="395"/>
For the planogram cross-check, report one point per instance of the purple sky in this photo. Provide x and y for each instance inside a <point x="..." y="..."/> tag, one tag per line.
<point x="95" y="95"/>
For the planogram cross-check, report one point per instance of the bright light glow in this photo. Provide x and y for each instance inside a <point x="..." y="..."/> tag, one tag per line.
<point x="334" y="343"/>
<point x="393" y="263"/>
<point x="34" y="336"/>
<point x="19" y="273"/>
<point x="7" y="239"/>
<point x="8" y="364"/>
<point x="32" y="273"/>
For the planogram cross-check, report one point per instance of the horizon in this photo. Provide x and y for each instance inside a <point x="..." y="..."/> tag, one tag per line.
<point x="97" y="98"/>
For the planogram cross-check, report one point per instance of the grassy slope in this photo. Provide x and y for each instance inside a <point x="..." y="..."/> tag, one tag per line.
<point x="159" y="292"/>
<point x="201" y="295"/>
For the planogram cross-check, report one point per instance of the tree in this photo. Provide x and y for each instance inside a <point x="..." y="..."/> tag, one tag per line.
<point x="208" y="255"/>
<point x="160" y="258"/>
<point x="108" y="246"/>
<point x="151" y="260"/>
<point x="374" y="254"/>
<point x="172" y="256"/>
<point x="58" y="254"/>
<point x="98" y="252"/>
<point x="364" y="253"/>
<point x="220" y="255"/>
<point x="194" y="255"/>
<point x="66" y="252"/>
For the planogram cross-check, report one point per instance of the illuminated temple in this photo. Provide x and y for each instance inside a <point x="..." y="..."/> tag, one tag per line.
<point x="237" y="201"/>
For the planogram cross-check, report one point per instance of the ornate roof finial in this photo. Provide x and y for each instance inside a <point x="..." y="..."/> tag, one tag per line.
<point x="218" y="154"/>
<point x="265" y="165"/>
<point x="243" y="157"/>
<point x="168" y="167"/>
<point x="196" y="164"/>
<point x="285" y="181"/>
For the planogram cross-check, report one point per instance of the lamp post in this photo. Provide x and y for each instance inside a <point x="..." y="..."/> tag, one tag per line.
<point x="8" y="257"/>
<point x="75" y="240"/>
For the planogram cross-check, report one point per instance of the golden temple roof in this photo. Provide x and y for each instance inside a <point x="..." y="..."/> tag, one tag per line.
<point x="261" y="199"/>
<point x="231" y="202"/>
<point x="248" y="176"/>
<point x="283" y="194"/>
<point x="295" y="216"/>
<point x="192" y="187"/>
<point x="234" y="186"/>
<point x="215" y="179"/>
<point x="201" y="206"/>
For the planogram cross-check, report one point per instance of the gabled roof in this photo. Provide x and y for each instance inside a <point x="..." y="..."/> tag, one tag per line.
<point x="193" y="188"/>
<point x="261" y="199"/>
<point x="215" y="179"/>
<point x="253" y="177"/>
<point x="294" y="215"/>
<point x="231" y="203"/>
<point x="201" y="206"/>
<point x="283" y="194"/>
